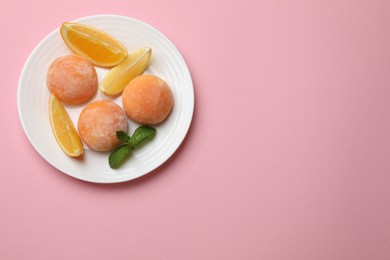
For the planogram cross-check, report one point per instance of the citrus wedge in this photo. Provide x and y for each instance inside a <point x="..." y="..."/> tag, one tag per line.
<point x="63" y="128"/>
<point x="99" y="47"/>
<point x="118" y="77"/>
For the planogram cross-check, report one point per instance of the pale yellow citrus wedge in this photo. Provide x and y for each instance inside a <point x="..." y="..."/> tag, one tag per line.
<point x="118" y="77"/>
<point x="100" y="48"/>
<point x="63" y="128"/>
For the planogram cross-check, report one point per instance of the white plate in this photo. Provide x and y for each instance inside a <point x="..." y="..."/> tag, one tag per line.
<point x="166" y="63"/>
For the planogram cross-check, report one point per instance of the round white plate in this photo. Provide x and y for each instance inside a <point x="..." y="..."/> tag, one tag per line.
<point x="166" y="63"/>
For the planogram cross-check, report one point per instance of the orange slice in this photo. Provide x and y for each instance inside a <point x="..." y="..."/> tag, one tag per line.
<point x="118" y="77"/>
<point x="63" y="128"/>
<point x="99" y="47"/>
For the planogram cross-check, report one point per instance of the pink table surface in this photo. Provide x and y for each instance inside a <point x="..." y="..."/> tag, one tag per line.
<point x="287" y="156"/>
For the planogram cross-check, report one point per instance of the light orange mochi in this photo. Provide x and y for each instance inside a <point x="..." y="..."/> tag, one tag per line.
<point x="147" y="100"/>
<point x="72" y="79"/>
<point x="98" y="123"/>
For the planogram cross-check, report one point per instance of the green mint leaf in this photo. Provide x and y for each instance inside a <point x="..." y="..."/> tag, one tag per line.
<point x="122" y="136"/>
<point x="119" y="156"/>
<point x="141" y="135"/>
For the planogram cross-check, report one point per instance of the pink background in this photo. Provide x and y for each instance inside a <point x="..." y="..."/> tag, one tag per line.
<point x="287" y="156"/>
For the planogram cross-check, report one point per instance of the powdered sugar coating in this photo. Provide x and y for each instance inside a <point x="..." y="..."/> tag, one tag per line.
<point x="72" y="79"/>
<point x="98" y="123"/>
<point x="147" y="100"/>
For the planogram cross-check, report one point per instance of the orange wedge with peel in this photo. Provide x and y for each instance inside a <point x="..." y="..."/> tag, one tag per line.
<point x="99" y="47"/>
<point x="63" y="129"/>
<point x="119" y="76"/>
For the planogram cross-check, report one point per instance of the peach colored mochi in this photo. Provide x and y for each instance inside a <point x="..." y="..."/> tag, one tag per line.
<point x="72" y="79"/>
<point x="147" y="100"/>
<point x="98" y="123"/>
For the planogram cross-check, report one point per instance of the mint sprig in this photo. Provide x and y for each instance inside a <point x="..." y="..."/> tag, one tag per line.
<point x="140" y="136"/>
<point x="122" y="136"/>
<point x="119" y="156"/>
